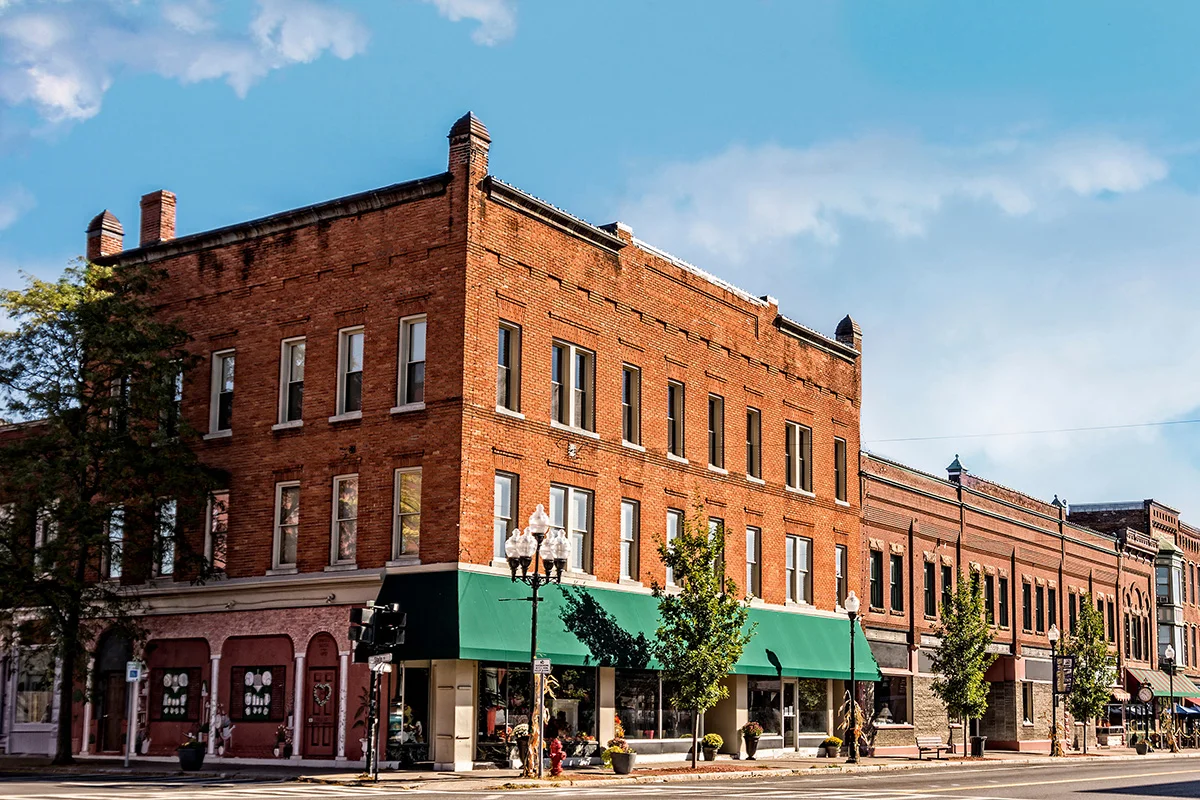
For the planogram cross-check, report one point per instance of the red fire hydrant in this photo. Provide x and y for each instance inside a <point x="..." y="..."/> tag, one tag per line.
<point x="556" y="756"/>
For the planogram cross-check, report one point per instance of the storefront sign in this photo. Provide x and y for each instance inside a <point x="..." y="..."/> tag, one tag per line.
<point x="1064" y="674"/>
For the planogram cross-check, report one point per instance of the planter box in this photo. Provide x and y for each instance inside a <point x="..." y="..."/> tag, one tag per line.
<point x="623" y="762"/>
<point x="191" y="759"/>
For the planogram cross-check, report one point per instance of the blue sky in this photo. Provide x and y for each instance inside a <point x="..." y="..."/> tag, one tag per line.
<point x="1004" y="194"/>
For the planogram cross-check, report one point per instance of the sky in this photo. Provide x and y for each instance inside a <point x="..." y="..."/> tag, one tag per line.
<point x="1003" y="194"/>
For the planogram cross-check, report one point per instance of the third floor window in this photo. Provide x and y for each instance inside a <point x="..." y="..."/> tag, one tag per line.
<point x="291" y="394"/>
<point x="716" y="431"/>
<point x="753" y="443"/>
<point x="798" y="457"/>
<point x="412" y="361"/>
<point x="675" y="418"/>
<point x="631" y="404"/>
<point x="221" y="405"/>
<point x="839" y="469"/>
<point x="572" y="386"/>
<point x="350" y="371"/>
<point x="508" y="367"/>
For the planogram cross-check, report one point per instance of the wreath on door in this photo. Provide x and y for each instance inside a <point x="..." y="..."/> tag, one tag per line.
<point x="321" y="693"/>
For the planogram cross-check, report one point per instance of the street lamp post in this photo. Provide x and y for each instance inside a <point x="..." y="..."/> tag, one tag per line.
<point x="852" y="605"/>
<point x="524" y="550"/>
<point x="1055" y="745"/>
<point x="1169" y="665"/>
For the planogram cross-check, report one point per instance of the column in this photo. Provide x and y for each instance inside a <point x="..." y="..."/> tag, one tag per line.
<point x="87" y="707"/>
<point x="454" y="716"/>
<point x="343" y="699"/>
<point x="606" y="708"/>
<point x="298" y="707"/>
<point x="214" y="685"/>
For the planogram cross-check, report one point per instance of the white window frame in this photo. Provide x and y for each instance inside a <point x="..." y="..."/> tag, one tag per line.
<point x="403" y="361"/>
<point x="285" y="381"/>
<point x="510" y="521"/>
<point x="631" y="435"/>
<point x="631" y="527"/>
<point x="674" y="528"/>
<point x="576" y="419"/>
<point x="214" y="393"/>
<point x="841" y="573"/>
<point x="398" y="516"/>
<point x="513" y="367"/>
<point x="753" y="444"/>
<point x="209" y="539"/>
<point x="716" y="431"/>
<point x="343" y="364"/>
<point x="277" y="525"/>
<point x="797" y="571"/>
<point x="335" y="522"/>
<point x="753" y="561"/>
<point x="163" y="543"/>
<point x="677" y="419"/>
<point x="798" y="449"/>
<point x="583" y="539"/>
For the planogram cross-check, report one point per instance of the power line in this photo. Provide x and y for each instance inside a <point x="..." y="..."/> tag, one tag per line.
<point x="1034" y="433"/>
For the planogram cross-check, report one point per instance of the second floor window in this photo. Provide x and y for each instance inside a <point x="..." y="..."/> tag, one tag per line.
<point x="221" y="410"/>
<point x="350" y="371"/>
<point x="291" y="393"/>
<point x="798" y="457"/>
<point x="753" y="443"/>
<point x="508" y="367"/>
<point x="345" y="519"/>
<point x="216" y="530"/>
<point x="877" y="579"/>
<point x="799" y="569"/>
<point x="287" y="523"/>
<point x="572" y="386"/>
<point x="1072" y="612"/>
<point x="412" y="361"/>
<point x="839" y="469"/>
<point x="841" y="555"/>
<point x="504" y="510"/>
<point x="1040" y="609"/>
<point x="1026" y="606"/>
<point x="675" y="418"/>
<point x="164" y="550"/>
<point x="113" y="556"/>
<point x="947" y="584"/>
<point x="406" y="531"/>
<point x="571" y="510"/>
<point x="930" y="589"/>
<point x="753" y="565"/>
<point x="897" y="582"/>
<point x="1004" y="600"/>
<point x="716" y="431"/>
<point x="674" y="526"/>
<point x="631" y="404"/>
<point x="630" y="537"/>
<point x="989" y="599"/>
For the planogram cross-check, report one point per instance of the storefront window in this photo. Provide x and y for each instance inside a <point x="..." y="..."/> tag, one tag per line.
<point x="764" y="705"/>
<point x="891" y="701"/>
<point x="35" y="686"/>
<point x="637" y="703"/>
<point x="677" y="722"/>
<point x="408" y="716"/>
<point x="811" y="701"/>
<point x="573" y="709"/>
<point x="257" y="694"/>
<point x="504" y="703"/>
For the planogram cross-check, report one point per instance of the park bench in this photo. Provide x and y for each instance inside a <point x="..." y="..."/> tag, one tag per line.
<point x="931" y="744"/>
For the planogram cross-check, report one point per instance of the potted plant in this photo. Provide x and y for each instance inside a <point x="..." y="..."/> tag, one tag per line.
<point x="750" y="733"/>
<point x="831" y="746"/>
<point x="191" y="754"/>
<point x="521" y="735"/>
<point x="710" y="744"/>
<point x="619" y="755"/>
<point x="1140" y="744"/>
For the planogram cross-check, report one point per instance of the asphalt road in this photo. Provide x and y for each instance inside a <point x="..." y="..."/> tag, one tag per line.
<point x="1086" y="781"/>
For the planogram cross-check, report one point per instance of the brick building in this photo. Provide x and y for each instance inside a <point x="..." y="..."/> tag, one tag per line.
<point x="416" y="367"/>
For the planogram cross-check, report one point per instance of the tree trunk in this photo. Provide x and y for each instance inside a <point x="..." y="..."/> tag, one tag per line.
<point x="66" y="691"/>
<point x="695" y="736"/>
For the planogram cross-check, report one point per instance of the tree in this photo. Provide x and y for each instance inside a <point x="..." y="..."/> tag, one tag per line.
<point x="98" y="477"/>
<point x="703" y="628"/>
<point x="1095" y="665"/>
<point x="961" y="657"/>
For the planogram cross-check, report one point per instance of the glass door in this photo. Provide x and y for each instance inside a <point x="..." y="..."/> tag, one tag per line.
<point x="789" y="714"/>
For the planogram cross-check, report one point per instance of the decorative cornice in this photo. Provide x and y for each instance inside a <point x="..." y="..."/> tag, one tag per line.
<point x="527" y="204"/>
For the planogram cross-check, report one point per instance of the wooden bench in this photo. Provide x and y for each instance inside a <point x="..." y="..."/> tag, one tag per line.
<point x="931" y="744"/>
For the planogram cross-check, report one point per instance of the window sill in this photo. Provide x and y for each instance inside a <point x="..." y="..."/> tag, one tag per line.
<point x="412" y="561"/>
<point x="218" y="435"/>
<point x="632" y="446"/>
<point x="677" y="459"/>
<point x="842" y="503"/>
<point x="801" y="492"/>
<point x="508" y="412"/>
<point x="718" y="470"/>
<point x="341" y="567"/>
<point x="753" y="479"/>
<point x="572" y="429"/>
<point x="287" y="426"/>
<point x="292" y="570"/>
<point x="347" y="417"/>
<point x="893" y="612"/>
<point x="796" y="604"/>
<point x="407" y="407"/>
<point x="630" y="582"/>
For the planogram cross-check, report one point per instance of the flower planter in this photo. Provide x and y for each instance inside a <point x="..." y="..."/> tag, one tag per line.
<point x="523" y="749"/>
<point x="190" y="758"/>
<point x="1142" y="748"/>
<point x="751" y="747"/>
<point x="710" y="753"/>
<point x="623" y="762"/>
<point x="831" y="750"/>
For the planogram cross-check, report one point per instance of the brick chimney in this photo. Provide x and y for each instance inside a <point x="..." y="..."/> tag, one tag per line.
<point x="469" y="142"/>
<point x="105" y="236"/>
<point x="849" y="333"/>
<point x="158" y="217"/>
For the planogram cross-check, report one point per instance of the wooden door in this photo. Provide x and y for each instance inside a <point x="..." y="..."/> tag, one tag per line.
<point x="320" y="737"/>
<point x="112" y="713"/>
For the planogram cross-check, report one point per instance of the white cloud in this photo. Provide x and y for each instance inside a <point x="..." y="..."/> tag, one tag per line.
<point x="497" y="18"/>
<point x="1010" y="286"/>
<point x="61" y="57"/>
<point x="14" y="202"/>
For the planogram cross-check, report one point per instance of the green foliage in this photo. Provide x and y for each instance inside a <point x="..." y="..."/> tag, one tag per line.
<point x="92" y="373"/>
<point x="1095" y="664"/>
<point x="961" y="658"/>
<point x="704" y="625"/>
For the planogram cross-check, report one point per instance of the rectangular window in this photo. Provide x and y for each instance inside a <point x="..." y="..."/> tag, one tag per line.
<point x="675" y="418"/>
<point x="350" y="371"/>
<point x="1112" y="622"/>
<point x="291" y="381"/>
<point x="221" y="401"/>
<point x="753" y="443"/>
<point x="947" y="584"/>
<point x="345" y="519"/>
<point x="716" y="534"/>
<point x="504" y="515"/>
<point x="989" y="599"/>
<point x="406" y="527"/>
<point x="508" y="367"/>
<point x="114" y="553"/>
<point x="216" y="530"/>
<point x="412" y="361"/>
<point x="897" y="582"/>
<point x="1026" y="606"/>
<point x="572" y="378"/>
<point x="631" y="404"/>
<point x="930" y="589"/>
<point x="45" y="531"/>
<point x="630" y="537"/>
<point x="839" y="469"/>
<point x="799" y="569"/>
<point x="841" y="556"/>
<point x="891" y="700"/>
<point x="571" y="510"/>
<point x="1040" y="608"/>
<point x="753" y="567"/>
<point x="164" y="550"/>
<point x="798" y="456"/>
<point x="1004" y="602"/>
<point x="1027" y="702"/>
<point x="716" y="431"/>
<point x="877" y="579"/>
<point x="173" y="413"/>
<point x="34" y="700"/>
<point x="674" y="526"/>
<point x="287" y="523"/>
<point x="1072" y="611"/>
<point x="1052" y="612"/>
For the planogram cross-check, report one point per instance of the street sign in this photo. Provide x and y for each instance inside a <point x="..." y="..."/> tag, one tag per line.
<point x="381" y="667"/>
<point x="1145" y="695"/>
<point x="382" y="658"/>
<point x="1064" y="674"/>
<point x="541" y="666"/>
<point x="133" y="671"/>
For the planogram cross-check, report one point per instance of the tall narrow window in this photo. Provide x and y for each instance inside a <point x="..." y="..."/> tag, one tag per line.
<point x="841" y="555"/>
<point x="799" y="569"/>
<point x="291" y="381"/>
<point x="630" y="536"/>
<point x="716" y="533"/>
<point x="114" y="553"/>
<point x="1052" y="608"/>
<point x="504" y="516"/>
<point x="571" y="510"/>
<point x="930" y="589"/>
<point x="122" y="387"/>
<point x="897" y="582"/>
<point x="839" y="469"/>
<point x="947" y="584"/>
<point x="675" y="418"/>
<point x="1073" y="615"/>
<point x="989" y="599"/>
<point x="1004" y="600"/>
<point x="1040" y="608"/>
<point x="754" y="443"/>
<point x="1026" y="606"/>
<point x="753" y="566"/>
<point x="572" y="379"/>
<point x="216" y="530"/>
<point x="1112" y="622"/>
<point x="406" y="528"/>
<point x="174" y="411"/>
<point x="45" y="531"/>
<point x="1027" y="702"/>
<point x="631" y="404"/>
<point x="164" y="550"/>
<point x="877" y="579"/>
<point x="508" y="367"/>
<point x="674" y="526"/>
<point x="412" y="361"/>
<point x="350" y="371"/>
<point x="345" y="519"/>
<point x="287" y="523"/>
<point x="798" y="456"/>
<point x="716" y="431"/>
<point x="221" y="405"/>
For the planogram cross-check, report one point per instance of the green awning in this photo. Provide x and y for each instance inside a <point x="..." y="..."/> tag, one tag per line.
<point x="485" y="617"/>
<point x="1160" y="683"/>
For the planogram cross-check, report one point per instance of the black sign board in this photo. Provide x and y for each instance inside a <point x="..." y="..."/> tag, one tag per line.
<point x="1064" y="674"/>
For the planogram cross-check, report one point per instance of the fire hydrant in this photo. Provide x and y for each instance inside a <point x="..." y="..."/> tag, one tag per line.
<point x="556" y="756"/>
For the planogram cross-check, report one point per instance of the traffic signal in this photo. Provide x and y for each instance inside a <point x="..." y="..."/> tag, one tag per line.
<point x="363" y="626"/>
<point x="391" y="624"/>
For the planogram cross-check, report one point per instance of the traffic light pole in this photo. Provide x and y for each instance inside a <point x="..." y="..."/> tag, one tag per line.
<point x="373" y="727"/>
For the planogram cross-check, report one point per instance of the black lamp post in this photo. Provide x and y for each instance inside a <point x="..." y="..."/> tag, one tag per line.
<point x="1052" y="635"/>
<point x="852" y="605"/>
<point x="1168" y="664"/>
<point x="522" y="551"/>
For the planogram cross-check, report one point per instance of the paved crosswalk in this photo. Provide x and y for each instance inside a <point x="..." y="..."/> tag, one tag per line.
<point x="201" y="789"/>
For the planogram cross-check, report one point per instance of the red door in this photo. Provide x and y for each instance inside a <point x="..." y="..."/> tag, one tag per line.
<point x="112" y="712"/>
<point x="320" y="738"/>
